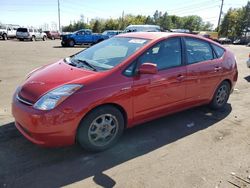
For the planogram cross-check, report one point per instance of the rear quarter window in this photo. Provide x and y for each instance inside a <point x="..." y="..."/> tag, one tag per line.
<point x="218" y="50"/>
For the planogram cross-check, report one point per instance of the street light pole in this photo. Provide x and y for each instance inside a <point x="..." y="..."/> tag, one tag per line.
<point x="59" y="19"/>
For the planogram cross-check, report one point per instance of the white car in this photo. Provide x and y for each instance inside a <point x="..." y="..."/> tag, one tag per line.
<point x="30" y="34"/>
<point x="248" y="62"/>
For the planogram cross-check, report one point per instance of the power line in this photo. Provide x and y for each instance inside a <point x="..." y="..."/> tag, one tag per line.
<point x="192" y="5"/>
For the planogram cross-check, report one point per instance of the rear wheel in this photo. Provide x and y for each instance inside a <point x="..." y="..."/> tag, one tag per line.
<point x="71" y="43"/>
<point x="221" y="96"/>
<point x="33" y="38"/>
<point x="5" y="36"/>
<point x="101" y="128"/>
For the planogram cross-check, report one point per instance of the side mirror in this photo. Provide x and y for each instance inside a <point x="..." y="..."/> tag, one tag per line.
<point x="148" y="68"/>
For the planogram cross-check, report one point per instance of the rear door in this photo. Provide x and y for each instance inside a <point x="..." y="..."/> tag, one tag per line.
<point x="203" y="69"/>
<point x="155" y="93"/>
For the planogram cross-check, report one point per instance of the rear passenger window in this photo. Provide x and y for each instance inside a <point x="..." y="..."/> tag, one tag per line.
<point x="218" y="50"/>
<point x="198" y="50"/>
<point x="165" y="54"/>
<point x="30" y="30"/>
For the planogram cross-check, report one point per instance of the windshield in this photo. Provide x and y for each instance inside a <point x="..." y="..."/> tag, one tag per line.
<point x="109" y="53"/>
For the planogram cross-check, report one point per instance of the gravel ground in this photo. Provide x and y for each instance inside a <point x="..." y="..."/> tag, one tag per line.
<point x="194" y="148"/>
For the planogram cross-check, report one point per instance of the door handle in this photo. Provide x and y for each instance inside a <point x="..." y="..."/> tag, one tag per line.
<point x="216" y="69"/>
<point x="180" y="77"/>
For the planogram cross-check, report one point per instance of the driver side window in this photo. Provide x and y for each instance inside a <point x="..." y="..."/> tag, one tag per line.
<point x="165" y="54"/>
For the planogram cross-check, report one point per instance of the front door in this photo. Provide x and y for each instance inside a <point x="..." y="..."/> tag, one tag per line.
<point x="156" y="93"/>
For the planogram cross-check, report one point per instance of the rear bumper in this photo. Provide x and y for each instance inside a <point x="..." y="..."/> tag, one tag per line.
<point x="23" y="37"/>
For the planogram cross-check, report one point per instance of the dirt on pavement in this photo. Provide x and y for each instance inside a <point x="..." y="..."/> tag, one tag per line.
<point x="195" y="148"/>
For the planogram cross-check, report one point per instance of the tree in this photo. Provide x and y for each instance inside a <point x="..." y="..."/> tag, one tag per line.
<point x="165" y="21"/>
<point x="236" y="22"/>
<point x="97" y="27"/>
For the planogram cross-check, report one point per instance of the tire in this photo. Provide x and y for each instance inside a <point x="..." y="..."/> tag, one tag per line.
<point x="44" y="38"/>
<point x="100" y="40"/>
<point x="52" y="38"/>
<point x="221" y="96"/>
<point x="33" y="38"/>
<point x="71" y="43"/>
<point x="91" y="133"/>
<point x="5" y="37"/>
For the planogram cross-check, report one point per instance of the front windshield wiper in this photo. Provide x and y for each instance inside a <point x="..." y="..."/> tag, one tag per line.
<point x="85" y="63"/>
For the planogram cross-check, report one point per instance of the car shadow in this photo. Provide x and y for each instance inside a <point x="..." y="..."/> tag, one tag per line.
<point x="247" y="78"/>
<point x="23" y="164"/>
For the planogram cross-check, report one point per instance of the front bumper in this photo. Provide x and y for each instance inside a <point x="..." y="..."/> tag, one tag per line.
<point x="45" y="128"/>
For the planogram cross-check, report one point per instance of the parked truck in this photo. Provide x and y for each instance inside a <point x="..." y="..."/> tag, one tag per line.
<point x="83" y="36"/>
<point x="8" y="31"/>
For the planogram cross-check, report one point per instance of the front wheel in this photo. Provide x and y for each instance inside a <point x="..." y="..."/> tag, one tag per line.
<point x="221" y="96"/>
<point x="101" y="128"/>
<point x="44" y="38"/>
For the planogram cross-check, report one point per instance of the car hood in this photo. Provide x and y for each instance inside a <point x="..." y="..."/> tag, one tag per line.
<point x="50" y="77"/>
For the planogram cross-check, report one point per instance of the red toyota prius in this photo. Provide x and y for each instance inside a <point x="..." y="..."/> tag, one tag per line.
<point x="92" y="96"/>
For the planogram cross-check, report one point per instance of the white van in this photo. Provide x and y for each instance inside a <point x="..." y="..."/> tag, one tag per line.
<point x="142" y="28"/>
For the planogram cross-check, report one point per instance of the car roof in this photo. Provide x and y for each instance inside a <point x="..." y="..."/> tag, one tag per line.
<point x="159" y="35"/>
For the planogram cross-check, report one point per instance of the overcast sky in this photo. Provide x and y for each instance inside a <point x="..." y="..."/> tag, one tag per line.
<point x="38" y="12"/>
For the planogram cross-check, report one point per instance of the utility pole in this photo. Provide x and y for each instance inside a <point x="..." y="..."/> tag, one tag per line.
<point x="59" y="19"/>
<point x="221" y="7"/>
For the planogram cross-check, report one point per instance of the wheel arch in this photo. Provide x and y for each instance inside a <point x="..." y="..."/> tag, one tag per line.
<point x="229" y="82"/>
<point x="115" y="105"/>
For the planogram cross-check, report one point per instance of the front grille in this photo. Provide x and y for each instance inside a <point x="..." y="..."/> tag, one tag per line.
<point x="24" y="101"/>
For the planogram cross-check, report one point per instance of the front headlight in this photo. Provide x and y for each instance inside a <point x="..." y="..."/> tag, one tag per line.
<point x="53" y="98"/>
